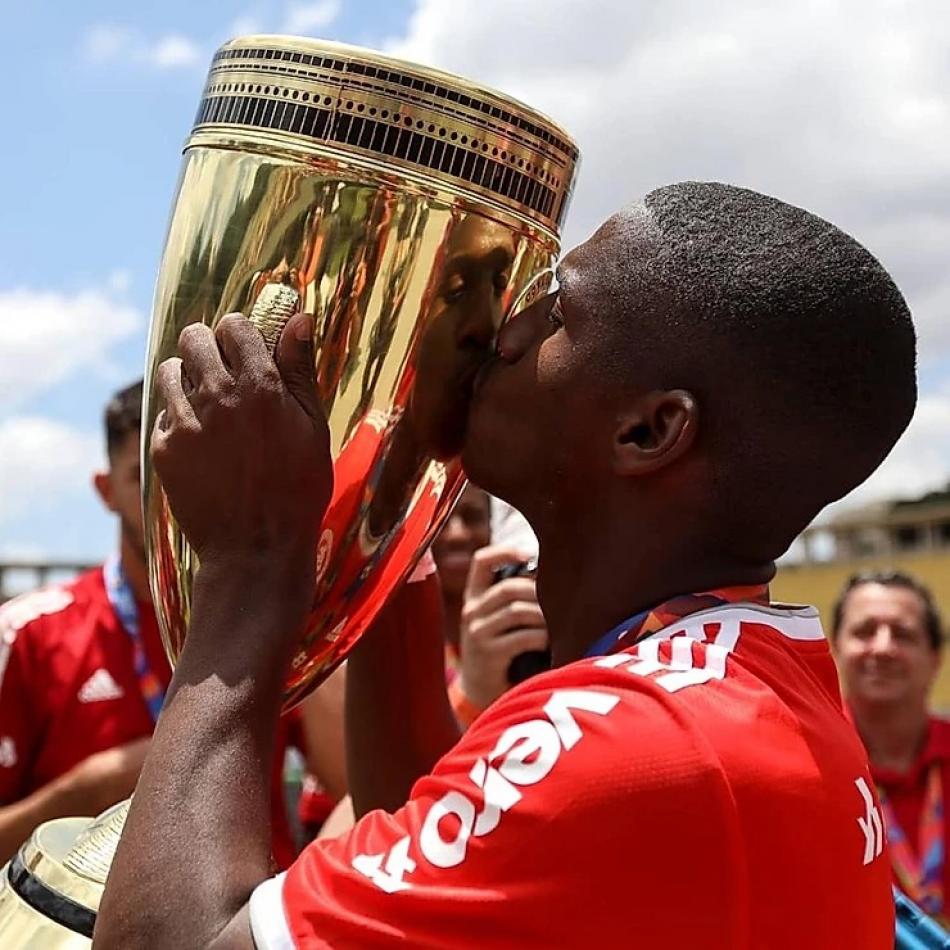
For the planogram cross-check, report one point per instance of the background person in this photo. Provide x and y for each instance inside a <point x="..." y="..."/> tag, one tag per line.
<point x="888" y="637"/>
<point x="82" y="669"/>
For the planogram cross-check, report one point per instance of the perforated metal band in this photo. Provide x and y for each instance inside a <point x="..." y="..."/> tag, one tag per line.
<point x="364" y="103"/>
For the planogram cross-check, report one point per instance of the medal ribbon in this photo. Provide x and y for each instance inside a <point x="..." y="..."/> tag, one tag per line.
<point x="123" y="603"/>
<point x="649" y="621"/>
<point x="920" y="878"/>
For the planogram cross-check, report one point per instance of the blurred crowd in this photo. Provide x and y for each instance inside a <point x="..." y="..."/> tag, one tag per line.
<point x="83" y="674"/>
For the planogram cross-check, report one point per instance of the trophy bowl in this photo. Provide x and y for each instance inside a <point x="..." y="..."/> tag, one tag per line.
<point x="411" y="212"/>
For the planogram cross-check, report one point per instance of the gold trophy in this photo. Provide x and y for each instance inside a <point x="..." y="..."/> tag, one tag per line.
<point x="411" y="212"/>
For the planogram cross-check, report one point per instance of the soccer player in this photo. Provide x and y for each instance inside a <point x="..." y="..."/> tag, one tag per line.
<point x="82" y="669"/>
<point x="715" y="367"/>
<point x="83" y="672"/>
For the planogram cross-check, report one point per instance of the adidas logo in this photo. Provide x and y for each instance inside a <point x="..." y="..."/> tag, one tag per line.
<point x="99" y="687"/>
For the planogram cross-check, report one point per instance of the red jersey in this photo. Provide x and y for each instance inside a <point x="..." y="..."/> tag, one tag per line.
<point x="68" y="686"/>
<point x="699" y="789"/>
<point x="906" y="791"/>
<point x="69" y="689"/>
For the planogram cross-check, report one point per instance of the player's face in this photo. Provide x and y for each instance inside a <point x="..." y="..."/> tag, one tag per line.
<point x="882" y="648"/>
<point x="541" y="415"/>
<point x="467" y="530"/>
<point x="123" y="494"/>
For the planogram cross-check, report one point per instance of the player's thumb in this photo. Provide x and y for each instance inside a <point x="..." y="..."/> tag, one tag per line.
<point x="295" y="360"/>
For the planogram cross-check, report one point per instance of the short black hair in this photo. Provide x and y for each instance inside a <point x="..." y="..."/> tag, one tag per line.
<point x="797" y="344"/>
<point x="123" y="416"/>
<point x="932" y="622"/>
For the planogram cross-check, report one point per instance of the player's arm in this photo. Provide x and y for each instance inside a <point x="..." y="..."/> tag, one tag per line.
<point x="398" y="718"/>
<point x="321" y="722"/>
<point x="197" y="840"/>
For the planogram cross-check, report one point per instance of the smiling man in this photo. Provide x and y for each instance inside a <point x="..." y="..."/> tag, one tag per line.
<point x="888" y="642"/>
<point x="716" y="367"/>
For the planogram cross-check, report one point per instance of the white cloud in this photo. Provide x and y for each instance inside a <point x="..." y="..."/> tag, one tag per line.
<point x="920" y="462"/>
<point x="107" y="43"/>
<point x="43" y="462"/>
<point x="841" y="107"/>
<point x="244" y="26"/>
<point x="303" y="19"/>
<point x="173" y="52"/>
<point x="113" y="43"/>
<point x="46" y="336"/>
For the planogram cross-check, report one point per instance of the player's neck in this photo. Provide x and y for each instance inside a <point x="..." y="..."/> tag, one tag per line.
<point x="588" y="585"/>
<point x="892" y="733"/>
<point x="135" y="570"/>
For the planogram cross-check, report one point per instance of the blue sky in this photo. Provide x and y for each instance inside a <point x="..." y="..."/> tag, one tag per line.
<point x="842" y="106"/>
<point x="102" y="99"/>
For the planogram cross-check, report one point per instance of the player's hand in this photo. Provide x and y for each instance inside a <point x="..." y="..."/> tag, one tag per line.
<point x="499" y="622"/>
<point x="242" y="446"/>
<point x="106" y="777"/>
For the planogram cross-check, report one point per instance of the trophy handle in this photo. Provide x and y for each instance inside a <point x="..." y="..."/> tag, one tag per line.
<point x="275" y="305"/>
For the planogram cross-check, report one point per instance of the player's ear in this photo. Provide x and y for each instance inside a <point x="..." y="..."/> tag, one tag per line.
<point x="102" y="482"/>
<point x="655" y="431"/>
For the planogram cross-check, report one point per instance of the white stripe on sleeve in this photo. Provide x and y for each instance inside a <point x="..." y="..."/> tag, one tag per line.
<point x="268" y="922"/>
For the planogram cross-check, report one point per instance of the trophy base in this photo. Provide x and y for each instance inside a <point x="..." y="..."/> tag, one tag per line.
<point x="50" y="890"/>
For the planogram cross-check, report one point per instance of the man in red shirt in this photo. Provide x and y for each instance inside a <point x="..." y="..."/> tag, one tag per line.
<point x="668" y="421"/>
<point x="82" y="669"/>
<point x="888" y="642"/>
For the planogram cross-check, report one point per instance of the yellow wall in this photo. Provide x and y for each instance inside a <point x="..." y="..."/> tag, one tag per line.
<point x="819" y="584"/>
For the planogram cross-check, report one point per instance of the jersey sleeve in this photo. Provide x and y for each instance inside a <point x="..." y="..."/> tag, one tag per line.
<point x="551" y="822"/>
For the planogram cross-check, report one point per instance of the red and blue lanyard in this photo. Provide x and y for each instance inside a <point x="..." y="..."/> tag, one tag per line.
<point x="122" y="599"/>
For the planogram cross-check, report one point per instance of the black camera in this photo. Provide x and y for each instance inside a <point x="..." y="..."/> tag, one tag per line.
<point x="532" y="662"/>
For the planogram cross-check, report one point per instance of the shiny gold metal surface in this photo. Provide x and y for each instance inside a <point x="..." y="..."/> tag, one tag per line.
<point x="411" y="212"/>
<point x="43" y="905"/>
<point x="408" y="210"/>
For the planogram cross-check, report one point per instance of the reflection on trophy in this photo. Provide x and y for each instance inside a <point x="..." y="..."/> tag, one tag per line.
<point x="410" y="212"/>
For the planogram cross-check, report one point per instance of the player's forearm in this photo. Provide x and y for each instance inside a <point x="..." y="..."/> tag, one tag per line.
<point x="398" y="718"/>
<point x="321" y="716"/>
<point x="198" y="837"/>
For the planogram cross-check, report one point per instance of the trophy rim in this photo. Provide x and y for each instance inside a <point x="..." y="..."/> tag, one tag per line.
<point x="359" y="102"/>
<point x="313" y="44"/>
<point x="372" y="170"/>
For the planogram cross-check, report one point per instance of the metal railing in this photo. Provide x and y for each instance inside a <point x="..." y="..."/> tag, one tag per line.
<point x="19" y="576"/>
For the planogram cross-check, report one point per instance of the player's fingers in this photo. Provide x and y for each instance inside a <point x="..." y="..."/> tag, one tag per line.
<point x="498" y="595"/>
<point x="170" y="382"/>
<point x="202" y="359"/>
<point x="485" y="562"/>
<point x="521" y="641"/>
<point x="513" y="617"/>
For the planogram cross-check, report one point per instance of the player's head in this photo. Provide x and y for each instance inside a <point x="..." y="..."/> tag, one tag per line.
<point x="119" y="485"/>
<point x="728" y="364"/>
<point x="887" y="638"/>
